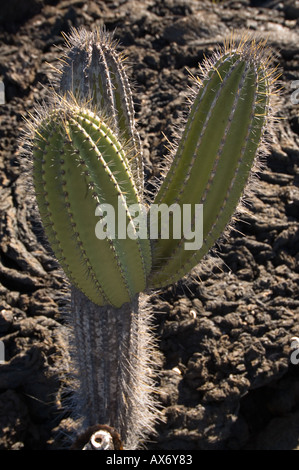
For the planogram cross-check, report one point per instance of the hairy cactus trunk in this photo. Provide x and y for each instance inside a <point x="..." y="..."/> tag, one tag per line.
<point x="112" y="354"/>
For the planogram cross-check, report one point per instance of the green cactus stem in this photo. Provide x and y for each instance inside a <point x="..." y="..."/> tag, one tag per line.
<point x="78" y="165"/>
<point x="215" y="155"/>
<point x="92" y="70"/>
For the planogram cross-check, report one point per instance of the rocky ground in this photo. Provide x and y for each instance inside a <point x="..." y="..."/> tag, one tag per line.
<point x="226" y="379"/>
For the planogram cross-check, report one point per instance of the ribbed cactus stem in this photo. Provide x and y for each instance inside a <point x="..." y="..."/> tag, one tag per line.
<point x="94" y="71"/>
<point x="113" y="354"/>
<point x="79" y="164"/>
<point x="215" y="155"/>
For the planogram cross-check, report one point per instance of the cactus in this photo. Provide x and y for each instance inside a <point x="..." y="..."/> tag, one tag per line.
<point x="86" y="152"/>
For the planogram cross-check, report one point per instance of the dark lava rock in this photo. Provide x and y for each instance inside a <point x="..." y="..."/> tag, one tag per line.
<point x="226" y="380"/>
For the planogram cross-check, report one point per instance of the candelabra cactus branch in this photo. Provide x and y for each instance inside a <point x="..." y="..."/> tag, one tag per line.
<point x="78" y="165"/>
<point x="86" y="154"/>
<point x="93" y="70"/>
<point x="215" y="154"/>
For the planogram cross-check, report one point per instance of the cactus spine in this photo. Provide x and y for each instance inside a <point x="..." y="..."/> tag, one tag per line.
<point x="82" y="158"/>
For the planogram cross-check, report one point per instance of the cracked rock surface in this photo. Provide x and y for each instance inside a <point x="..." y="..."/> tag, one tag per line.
<point x="226" y="379"/>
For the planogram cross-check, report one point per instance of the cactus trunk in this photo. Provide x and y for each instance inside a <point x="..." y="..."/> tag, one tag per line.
<point x="112" y="356"/>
